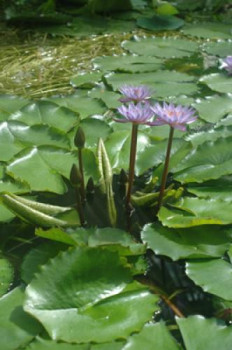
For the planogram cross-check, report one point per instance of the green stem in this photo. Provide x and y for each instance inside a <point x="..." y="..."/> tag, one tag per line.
<point x="133" y="147"/>
<point x="80" y="209"/>
<point x="81" y="168"/>
<point x="165" y="171"/>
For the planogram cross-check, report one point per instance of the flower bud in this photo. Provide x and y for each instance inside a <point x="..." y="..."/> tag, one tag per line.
<point x="79" y="139"/>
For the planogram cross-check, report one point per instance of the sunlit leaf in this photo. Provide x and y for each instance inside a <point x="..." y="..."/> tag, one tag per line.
<point x="221" y="49"/>
<point x="209" y="30"/>
<point x="194" y="212"/>
<point x="10" y="104"/>
<point x="214" y="276"/>
<point x="82" y="105"/>
<point x="45" y="112"/>
<point x="163" y="83"/>
<point x="128" y="63"/>
<point x="213" y="108"/>
<point x="79" y="297"/>
<point x="218" y="82"/>
<point x="200" y="333"/>
<point x="159" y="47"/>
<point x="16" y="327"/>
<point x="87" y="80"/>
<point x="31" y="167"/>
<point x="209" y="160"/>
<point x="178" y="243"/>
<point x="152" y="337"/>
<point x="218" y="189"/>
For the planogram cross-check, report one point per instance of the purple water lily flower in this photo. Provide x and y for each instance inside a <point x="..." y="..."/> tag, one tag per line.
<point x="135" y="93"/>
<point x="227" y="64"/>
<point x="140" y="113"/>
<point x="175" y="116"/>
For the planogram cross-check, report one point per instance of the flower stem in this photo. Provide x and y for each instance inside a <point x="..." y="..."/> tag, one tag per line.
<point x="165" y="171"/>
<point x="82" y="185"/>
<point x="133" y="147"/>
<point x="163" y="296"/>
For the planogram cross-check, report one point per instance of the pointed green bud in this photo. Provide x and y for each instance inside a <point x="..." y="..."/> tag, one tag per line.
<point x="79" y="139"/>
<point x="90" y="185"/>
<point x="75" y="176"/>
<point x="123" y="178"/>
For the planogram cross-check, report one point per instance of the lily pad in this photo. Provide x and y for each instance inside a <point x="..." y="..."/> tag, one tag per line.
<point x="6" y="275"/>
<point x="213" y="108"/>
<point x="178" y="244"/>
<point x="210" y="160"/>
<point x="78" y="300"/>
<point x="45" y="112"/>
<point x="17" y="328"/>
<point x="10" y="104"/>
<point x="83" y="105"/>
<point x="30" y="167"/>
<point x="200" y="333"/>
<point x="218" y="82"/>
<point x="128" y="64"/>
<point x="160" y="22"/>
<point x="163" y="83"/>
<point x="110" y="98"/>
<point x="86" y="80"/>
<point x="152" y="336"/>
<point x="214" y="276"/>
<point x="161" y="47"/>
<point x="209" y="30"/>
<point x="221" y="49"/>
<point x="218" y="189"/>
<point x="194" y="212"/>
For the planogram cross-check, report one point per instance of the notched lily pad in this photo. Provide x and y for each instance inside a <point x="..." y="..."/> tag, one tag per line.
<point x="78" y="300"/>
<point x="161" y="47"/>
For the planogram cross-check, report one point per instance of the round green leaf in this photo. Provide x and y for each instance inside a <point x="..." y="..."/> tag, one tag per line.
<point x="221" y="49"/>
<point x="210" y="160"/>
<point x="10" y="104"/>
<point x="214" y="276"/>
<point x="110" y="98"/>
<point x="82" y="105"/>
<point x="160" y="22"/>
<point x="164" y="83"/>
<point x="213" y="108"/>
<point x="218" y="82"/>
<point x="30" y="167"/>
<point x="6" y="275"/>
<point x="209" y="30"/>
<point x="209" y="334"/>
<point x="38" y="135"/>
<point x="218" y="189"/>
<point x="79" y="297"/>
<point x="8" y="144"/>
<point x="86" y="80"/>
<point x="17" y="328"/>
<point x="178" y="244"/>
<point x="152" y="337"/>
<point x="45" y="112"/>
<point x="95" y="129"/>
<point x="37" y="257"/>
<point x="194" y="212"/>
<point x="128" y="63"/>
<point x="162" y="47"/>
